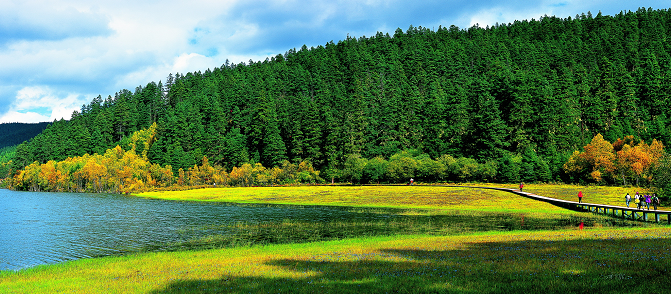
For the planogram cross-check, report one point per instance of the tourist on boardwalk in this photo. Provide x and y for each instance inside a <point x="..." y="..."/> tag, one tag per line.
<point x="637" y="201"/>
<point x="627" y="199"/>
<point x="647" y="201"/>
<point x="579" y="196"/>
<point x="655" y="201"/>
<point x="521" y="186"/>
<point x="412" y="181"/>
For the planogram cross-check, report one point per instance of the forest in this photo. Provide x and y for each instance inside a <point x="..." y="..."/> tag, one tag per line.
<point x="12" y="134"/>
<point x="512" y="102"/>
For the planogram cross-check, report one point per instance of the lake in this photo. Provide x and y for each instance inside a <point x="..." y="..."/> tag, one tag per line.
<point x="45" y="228"/>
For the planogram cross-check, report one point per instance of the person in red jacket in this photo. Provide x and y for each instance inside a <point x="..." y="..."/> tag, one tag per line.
<point x="579" y="196"/>
<point x="521" y="186"/>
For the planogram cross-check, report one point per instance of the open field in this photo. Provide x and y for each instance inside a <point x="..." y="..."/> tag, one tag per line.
<point x="419" y="196"/>
<point x="451" y="240"/>
<point x="433" y="198"/>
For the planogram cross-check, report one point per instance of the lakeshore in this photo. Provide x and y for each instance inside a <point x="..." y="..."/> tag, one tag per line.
<point x="601" y="257"/>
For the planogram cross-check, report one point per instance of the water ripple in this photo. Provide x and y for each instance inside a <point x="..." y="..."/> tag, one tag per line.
<point x="46" y="228"/>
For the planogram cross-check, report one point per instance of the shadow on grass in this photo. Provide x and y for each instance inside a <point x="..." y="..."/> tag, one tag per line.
<point x="574" y="266"/>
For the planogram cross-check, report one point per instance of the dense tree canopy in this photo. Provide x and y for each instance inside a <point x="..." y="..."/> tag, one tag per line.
<point x="519" y="98"/>
<point x="12" y="134"/>
<point x="622" y="162"/>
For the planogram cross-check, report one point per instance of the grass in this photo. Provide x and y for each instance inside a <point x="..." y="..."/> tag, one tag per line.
<point x="564" y="261"/>
<point x="437" y="239"/>
<point x="591" y="194"/>
<point x="433" y="198"/>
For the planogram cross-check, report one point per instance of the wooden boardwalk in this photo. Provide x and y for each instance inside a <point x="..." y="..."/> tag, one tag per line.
<point x="612" y="210"/>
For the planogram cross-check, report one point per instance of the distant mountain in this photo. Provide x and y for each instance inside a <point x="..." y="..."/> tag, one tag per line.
<point x="15" y="133"/>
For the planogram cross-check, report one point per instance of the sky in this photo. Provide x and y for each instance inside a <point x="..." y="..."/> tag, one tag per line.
<point x="57" y="55"/>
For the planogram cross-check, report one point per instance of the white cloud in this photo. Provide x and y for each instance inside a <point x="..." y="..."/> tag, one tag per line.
<point x="36" y="104"/>
<point x="32" y="97"/>
<point x="191" y="62"/>
<point x="506" y="13"/>
<point x="28" y="117"/>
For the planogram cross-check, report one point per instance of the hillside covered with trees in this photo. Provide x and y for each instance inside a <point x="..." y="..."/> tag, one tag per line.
<point x="514" y="100"/>
<point x="16" y="133"/>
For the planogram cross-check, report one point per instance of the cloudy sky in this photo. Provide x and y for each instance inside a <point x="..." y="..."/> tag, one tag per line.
<point x="57" y="55"/>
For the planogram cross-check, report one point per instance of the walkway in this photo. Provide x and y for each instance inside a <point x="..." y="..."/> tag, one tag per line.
<point x="615" y="211"/>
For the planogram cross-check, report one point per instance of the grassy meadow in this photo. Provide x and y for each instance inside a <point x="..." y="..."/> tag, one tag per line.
<point x="428" y="197"/>
<point x="437" y="239"/>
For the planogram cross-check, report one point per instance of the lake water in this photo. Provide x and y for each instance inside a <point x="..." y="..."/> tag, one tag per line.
<point x="45" y="228"/>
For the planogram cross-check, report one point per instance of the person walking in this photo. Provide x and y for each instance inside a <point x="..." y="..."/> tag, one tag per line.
<point x="521" y="186"/>
<point x="647" y="201"/>
<point x="655" y="201"/>
<point x="579" y="196"/>
<point x="627" y="199"/>
<point x="637" y="201"/>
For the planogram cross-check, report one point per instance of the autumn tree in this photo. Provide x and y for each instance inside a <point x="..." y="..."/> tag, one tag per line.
<point x="619" y="161"/>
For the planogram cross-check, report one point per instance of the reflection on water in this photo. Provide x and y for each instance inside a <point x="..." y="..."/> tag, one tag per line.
<point x="44" y="228"/>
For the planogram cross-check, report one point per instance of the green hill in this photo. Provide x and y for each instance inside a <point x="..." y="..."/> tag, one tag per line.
<point x="535" y="89"/>
<point x="16" y="133"/>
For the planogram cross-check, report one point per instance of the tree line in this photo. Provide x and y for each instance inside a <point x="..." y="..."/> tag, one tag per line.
<point x="127" y="169"/>
<point x="521" y="97"/>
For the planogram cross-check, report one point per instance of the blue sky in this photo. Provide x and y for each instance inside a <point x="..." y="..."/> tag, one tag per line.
<point x="57" y="55"/>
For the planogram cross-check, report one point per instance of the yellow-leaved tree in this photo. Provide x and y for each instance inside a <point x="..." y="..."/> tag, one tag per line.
<point x="620" y="161"/>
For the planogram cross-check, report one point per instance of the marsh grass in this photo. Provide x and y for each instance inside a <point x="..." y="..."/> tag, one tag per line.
<point x="405" y="222"/>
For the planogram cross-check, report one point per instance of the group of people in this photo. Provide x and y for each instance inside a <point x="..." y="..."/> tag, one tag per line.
<point x="643" y="200"/>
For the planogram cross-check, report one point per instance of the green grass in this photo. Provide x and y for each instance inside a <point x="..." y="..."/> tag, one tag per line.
<point x="591" y="194"/>
<point x="563" y="261"/>
<point x="437" y="239"/>
<point x="433" y="198"/>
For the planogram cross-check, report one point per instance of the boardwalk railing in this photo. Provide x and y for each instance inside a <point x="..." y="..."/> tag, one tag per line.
<point x="612" y="210"/>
